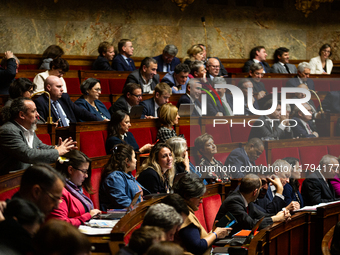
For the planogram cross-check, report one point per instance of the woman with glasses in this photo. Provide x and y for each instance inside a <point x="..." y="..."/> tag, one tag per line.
<point x="118" y="186"/>
<point x="75" y="207"/>
<point x="21" y="87"/>
<point x="192" y="235"/>
<point x="91" y="90"/>
<point x="322" y="64"/>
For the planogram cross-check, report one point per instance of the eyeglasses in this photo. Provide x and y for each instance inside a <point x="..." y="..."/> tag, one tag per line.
<point x="84" y="171"/>
<point x="31" y="91"/>
<point x="53" y="197"/>
<point x="138" y="96"/>
<point x="98" y="90"/>
<point x="215" y="67"/>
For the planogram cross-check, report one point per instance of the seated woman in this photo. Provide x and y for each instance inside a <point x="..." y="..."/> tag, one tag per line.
<point x="182" y="164"/>
<point x="90" y="99"/>
<point x="194" y="53"/>
<point x="118" y="132"/>
<point x="75" y="207"/>
<point x="59" y="67"/>
<point x="52" y="52"/>
<point x="192" y="235"/>
<point x="291" y="190"/>
<point x="21" y="87"/>
<point x="167" y="116"/>
<point x="157" y="172"/>
<point x="322" y="64"/>
<point x="118" y="186"/>
<point x="211" y="167"/>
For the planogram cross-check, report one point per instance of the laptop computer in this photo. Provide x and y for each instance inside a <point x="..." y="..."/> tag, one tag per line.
<point x="241" y="240"/>
<point x="136" y="111"/>
<point x="185" y="110"/>
<point x="120" y="213"/>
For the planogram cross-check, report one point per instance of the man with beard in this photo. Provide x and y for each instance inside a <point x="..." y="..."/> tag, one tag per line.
<point x="19" y="145"/>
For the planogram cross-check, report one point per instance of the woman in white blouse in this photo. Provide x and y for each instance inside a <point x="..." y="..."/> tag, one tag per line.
<point x="322" y="64"/>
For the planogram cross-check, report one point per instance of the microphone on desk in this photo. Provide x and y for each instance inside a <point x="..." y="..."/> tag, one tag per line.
<point x="49" y="118"/>
<point x="321" y="109"/>
<point x="205" y="36"/>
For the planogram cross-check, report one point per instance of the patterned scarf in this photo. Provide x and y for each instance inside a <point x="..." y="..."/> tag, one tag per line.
<point x="77" y="192"/>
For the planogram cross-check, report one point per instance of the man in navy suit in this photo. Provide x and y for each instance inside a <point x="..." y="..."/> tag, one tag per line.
<point x="257" y="55"/>
<point x="305" y="127"/>
<point x="62" y="108"/>
<point x="161" y="96"/>
<point x="302" y="77"/>
<point x="106" y="54"/>
<point x="178" y="79"/>
<point x="168" y="61"/>
<point x="192" y="96"/>
<point x="123" y="62"/>
<point x="222" y="70"/>
<point x="132" y="95"/>
<point x="255" y="75"/>
<point x="244" y="84"/>
<point x="316" y="188"/>
<point x="214" y="106"/>
<point x="240" y="158"/>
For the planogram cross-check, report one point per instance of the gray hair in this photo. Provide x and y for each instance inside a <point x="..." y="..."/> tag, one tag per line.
<point x="326" y="159"/>
<point x="255" y="66"/>
<point x="162" y="216"/>
<point x="195" y="66"/>
<point x="281" y="165"/>
<point x="219" y="80"/>
<point x="171" y="50"/>
<point x="302" y="66"/>
<point x="4" y="61"/>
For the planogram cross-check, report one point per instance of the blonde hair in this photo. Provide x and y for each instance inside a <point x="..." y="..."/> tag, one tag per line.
<point x="151" y="162"/>
<point x="167" y="114"/>
<point x="192" y="51"/>
<point x="179" y="146"/>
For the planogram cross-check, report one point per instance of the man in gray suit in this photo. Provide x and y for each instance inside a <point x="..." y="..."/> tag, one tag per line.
<point x="281" y="57"/>
<point x="19" y="145"/>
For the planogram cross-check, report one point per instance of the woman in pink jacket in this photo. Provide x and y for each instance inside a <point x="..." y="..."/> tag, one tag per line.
<point x="75" y="207"/>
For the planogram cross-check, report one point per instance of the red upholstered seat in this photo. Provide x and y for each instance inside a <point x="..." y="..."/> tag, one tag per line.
<point x="91" y="148"/>
<point x="335" y="85"/>
<point x="322" y="84"/>
<point x="221" y="133"/>
<point x="312" y="155"/>
<point x="262" y="160"/>
<point x="104" y="83"/>
<point x="211" y="205"/>
<point x="334" y="150"/>
<point x="190" y="133"/>
<point x="142" y="136"/>
<point x="45" y="138"/>
<point x="116" y="85"/>
<point x="104" y="132"/>
<point x="73" y="85"/>
<point x="153" y="131"/>
<point x="269" y="83"/>
<point x="239" y="133"/>
<point x="200" y="216"/>
<point x="280" y="153"/>
<point x="234" y="70"/>
<point x="316" y="102"/>
<point x="128" y="234"/>
<point x="8" y="194"/>
<point x="95" y="182"/>
<point x="107" y="105"/>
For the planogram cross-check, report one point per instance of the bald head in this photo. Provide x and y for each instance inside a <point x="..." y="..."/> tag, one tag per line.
<point x="54" y="86"/>
<point x="213" y="66"/>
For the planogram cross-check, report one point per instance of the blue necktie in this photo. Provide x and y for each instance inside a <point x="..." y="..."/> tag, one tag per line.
<point x="60" y="114"/>
<point x="168" y="67"/>
<point x="129" y="61"/>
<point x="263" y="66"/>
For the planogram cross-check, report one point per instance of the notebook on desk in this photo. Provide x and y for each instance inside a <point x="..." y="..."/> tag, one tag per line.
<point x="185" y="110"/>
<point x="241" y="240"/>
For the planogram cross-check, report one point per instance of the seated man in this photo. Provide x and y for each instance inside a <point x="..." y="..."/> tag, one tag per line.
<point x="178" y="79"/>
<point x="243" y="158"/>
<point x="302" y="77"/>
<point x="161" y="96"/>
<point x="240" y="204"/>
<point x="63" y="110"/>
<point x="281" y="65"/>
<point x="255" y="75"/>
<point x="123" y="62"/>
<point x="165" y="217"/>
<point x="244" y="84"/>
<point x="167" y="61"/>
<point x="305" y="126"/>
<point x="132" y="95"/>
<point x="272" y="126"/>
<point x="8" y="70"/>
<point x="19" y="145"/>
<point x="213" y="68"/>
<point x="192" y="96"/>
<point x="106" y="54"/>
<point x="42" y="185"/>
<point x="223" y="71"/>
<point x="257" y="55"/>
<point x="146" y="76"/>
<point x="316" y="188"/>
<point x="218" y="109"/>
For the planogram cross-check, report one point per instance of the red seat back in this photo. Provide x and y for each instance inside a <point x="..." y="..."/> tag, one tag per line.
<point x="200" y="216"/>
<point x="221" y="133"/>
<point x="142" y="136"/>
<point x="8" y="194"/>
<point x="334" y="150"/>
<point x="116" y="85"/>
<point x="262" y="160"/>
<point x="45" y="138"/>
<point x="128" y="234"/>
<point x="239" y="133"/>
<point x="280" y="153"/>
<point x="92" y="143"/>
<point x="73" y="85"/>
<point x="190" y="133"/>
<point x="312" y="155"/>
<point x="95" y="182"/>
<point x="211" y="205"/>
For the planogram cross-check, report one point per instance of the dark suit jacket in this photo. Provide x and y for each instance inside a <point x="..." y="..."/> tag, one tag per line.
<point x="151" y="182"/>
<point x="300" y="131"/>
<point x="234" y="204"/>
<point x="73" y="112"/>
<point x="315" y="190"/>
<point x="7" y="76"/>
<point x="120" y="104"/>
<point x="269" y="204"/>
<point x="294" y="82"/>
<point x="119" y="63"/>
<point x="101" y="107"/>
<point x="267" y="131"/>
<point x="113" y="140"/>
<point x="246" y="108"/>
<point x="184" y="99"/>
<point x="223" y="71"/>
<point x="247" y="65"/>
<point x="101" y="63"/>
<point x="136" y="77"/>
<point x="258" y="86"/>
<point x="331" y="103"/>
<point x="149" y="107"/>
<point x="15" y="154"/>
<point x="160" y="63"/>
<point x="213" y="109"/>
<point x="238" y="158"/>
